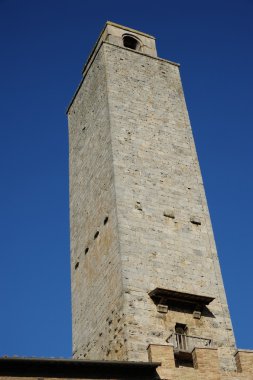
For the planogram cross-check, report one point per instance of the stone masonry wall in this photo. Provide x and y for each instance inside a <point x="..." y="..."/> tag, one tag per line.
<point x="139" y="217"/>
<point x="166" y="238"/>
<point x="95" y="261"/>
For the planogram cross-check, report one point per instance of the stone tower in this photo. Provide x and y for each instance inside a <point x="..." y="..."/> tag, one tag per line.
<point x="144" y="264"/>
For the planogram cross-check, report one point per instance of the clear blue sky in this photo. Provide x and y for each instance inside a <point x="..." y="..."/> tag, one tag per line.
<point x="44" y="44"/>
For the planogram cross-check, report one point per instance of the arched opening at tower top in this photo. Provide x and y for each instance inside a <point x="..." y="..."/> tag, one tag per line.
<point x="131" y="42"/>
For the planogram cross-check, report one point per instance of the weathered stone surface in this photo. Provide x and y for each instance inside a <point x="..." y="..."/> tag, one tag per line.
<point x="96" y="282"/>
<point x="133" y="159"/>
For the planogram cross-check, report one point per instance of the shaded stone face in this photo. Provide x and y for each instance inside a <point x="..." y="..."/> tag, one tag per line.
<point x="133" y="163"/>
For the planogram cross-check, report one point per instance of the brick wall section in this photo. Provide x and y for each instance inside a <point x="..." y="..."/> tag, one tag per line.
<point x="206" y="365"/>
<point x="156" y="169"/>
<point x="244" y="361"/>
<point x="202" y="357"/>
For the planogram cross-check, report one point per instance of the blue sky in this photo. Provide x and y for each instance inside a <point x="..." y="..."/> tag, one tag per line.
<point x="44" y="44"/>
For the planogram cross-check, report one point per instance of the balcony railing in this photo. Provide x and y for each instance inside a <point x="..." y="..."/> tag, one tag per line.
<point x="186" y="343"/>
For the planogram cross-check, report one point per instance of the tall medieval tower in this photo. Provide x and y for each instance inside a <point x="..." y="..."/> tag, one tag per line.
<point x="144" y="263"/>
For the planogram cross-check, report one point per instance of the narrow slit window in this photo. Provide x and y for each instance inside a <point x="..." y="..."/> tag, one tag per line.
<point x="96" y="235"/>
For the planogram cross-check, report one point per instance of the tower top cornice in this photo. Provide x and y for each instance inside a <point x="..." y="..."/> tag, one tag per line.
<point x="126" y="28"/>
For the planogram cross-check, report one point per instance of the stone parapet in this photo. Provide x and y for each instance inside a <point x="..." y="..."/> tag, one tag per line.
<point x="244" y="361"/>
<point x="203" y="358"/>
<point x="206" y="364"/>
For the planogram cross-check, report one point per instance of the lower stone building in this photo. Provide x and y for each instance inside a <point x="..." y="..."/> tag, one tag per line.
<point x="148" y="300"/>
<point x="206" y="365"/>
<point x="161" y="365"/>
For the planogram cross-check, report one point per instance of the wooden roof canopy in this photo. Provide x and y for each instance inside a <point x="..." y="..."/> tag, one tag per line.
<point x="167" y="297"/>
